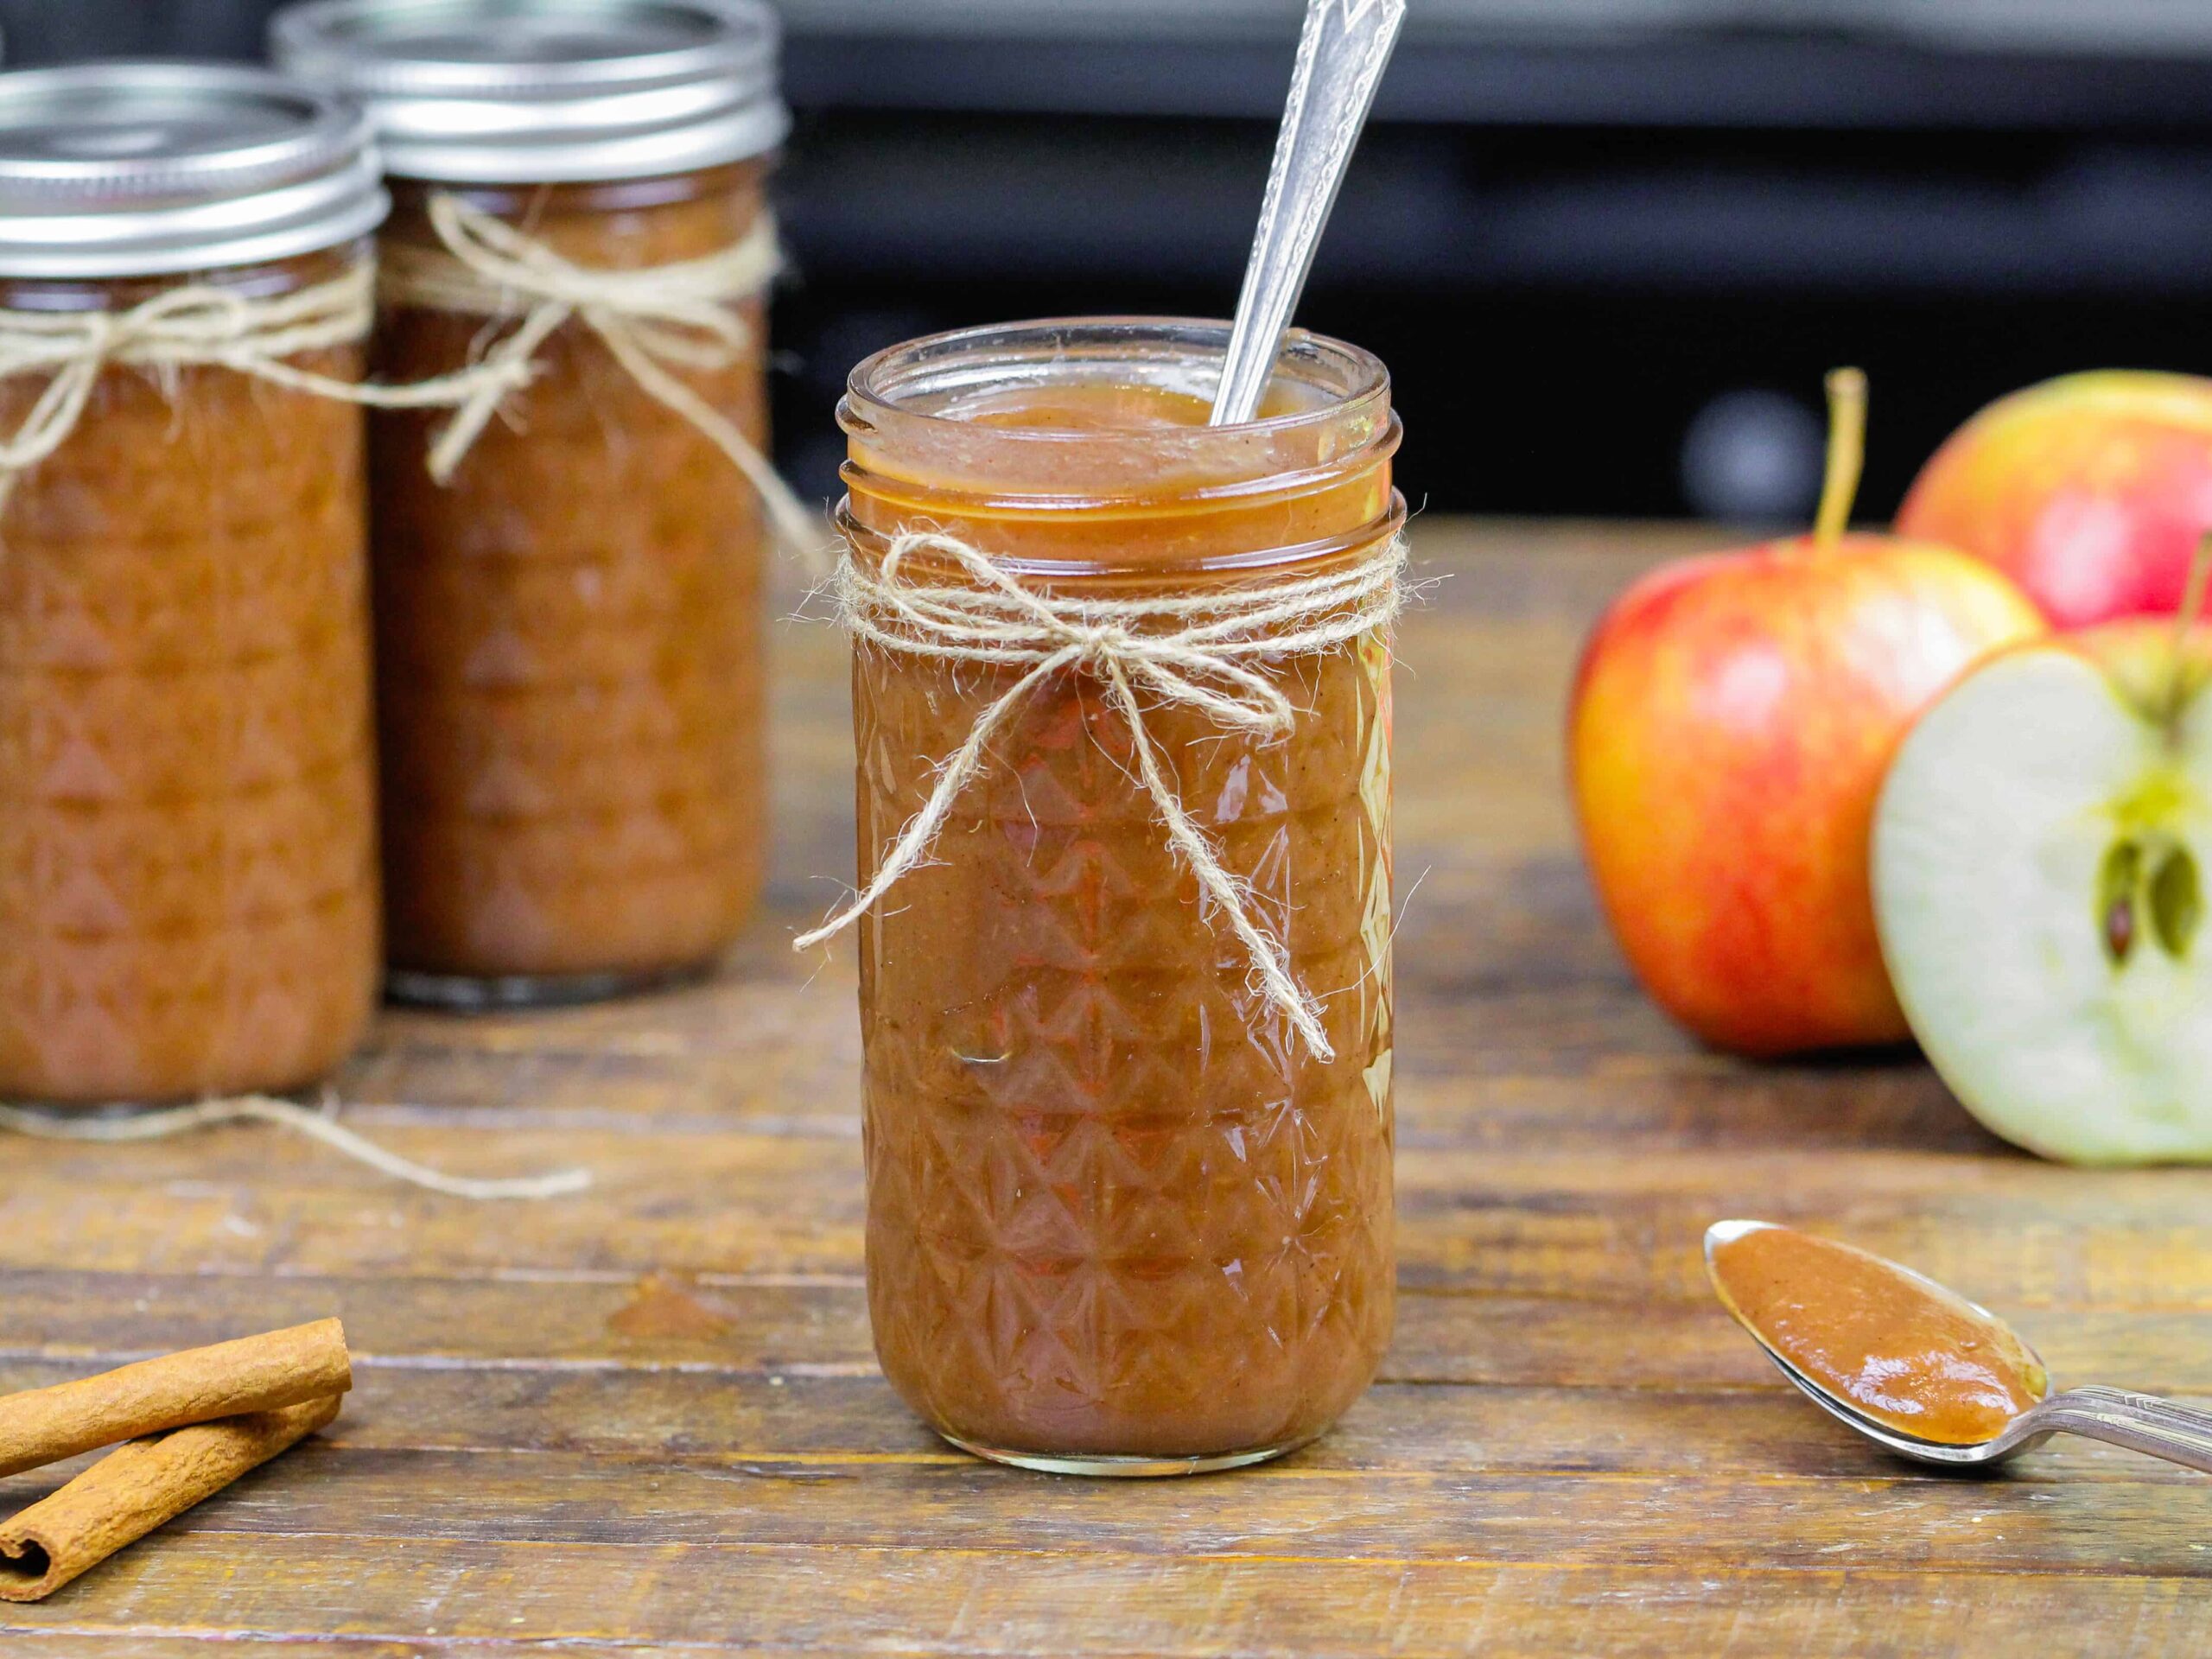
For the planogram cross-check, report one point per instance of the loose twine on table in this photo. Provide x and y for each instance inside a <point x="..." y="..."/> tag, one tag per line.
<point x="1192" y="650"/>
<point x="66" y="1124"/>
<point x="652" y="320"/>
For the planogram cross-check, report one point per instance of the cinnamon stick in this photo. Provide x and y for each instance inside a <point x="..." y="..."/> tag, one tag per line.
<point x="263" y="1373"/>
<point x="136" y="1487"/>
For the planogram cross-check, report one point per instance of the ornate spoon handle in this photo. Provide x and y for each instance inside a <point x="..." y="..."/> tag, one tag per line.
<point x="2141" y="1422"/>
<point x="1341" y="53"/>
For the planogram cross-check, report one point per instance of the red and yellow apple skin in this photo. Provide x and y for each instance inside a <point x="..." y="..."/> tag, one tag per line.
<point x="2090" y="491"/>
<point x="1731" y="724"/>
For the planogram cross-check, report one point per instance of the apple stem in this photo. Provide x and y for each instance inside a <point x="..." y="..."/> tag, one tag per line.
<point x="1846" y="455"/>
<point x="2185" y="621"/>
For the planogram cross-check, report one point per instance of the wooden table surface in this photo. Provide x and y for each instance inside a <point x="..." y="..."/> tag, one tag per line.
<point x="647" y="1417"/>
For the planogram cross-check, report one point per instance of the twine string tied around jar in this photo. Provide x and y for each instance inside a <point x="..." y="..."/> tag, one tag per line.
<point x="653" y="320"/>
<point x="191" y="326"/>
<point x="1195" y="650"/>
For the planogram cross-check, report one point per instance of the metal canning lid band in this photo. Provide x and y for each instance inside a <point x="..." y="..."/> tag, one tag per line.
<point x="145" y="169"/>
<point x="519" y="92"/>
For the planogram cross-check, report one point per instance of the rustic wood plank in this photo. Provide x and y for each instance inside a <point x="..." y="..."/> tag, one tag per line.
<point x="1887" y="1520"/>
<point x="1581" y="1061"/>
<point x="771" y="1426"/>
<point x="2009" y="1231"/>
<point x="918" y="1601"/>
<point x="820" y="1328"/>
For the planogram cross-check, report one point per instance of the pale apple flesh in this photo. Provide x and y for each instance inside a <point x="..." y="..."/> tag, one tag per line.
<point x="2038" y="869"/>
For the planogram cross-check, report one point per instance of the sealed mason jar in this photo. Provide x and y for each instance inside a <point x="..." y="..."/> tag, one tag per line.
<point x="1124" y="1216"/>
<point x="568" y="576"/>
<point x="187" y="863"/>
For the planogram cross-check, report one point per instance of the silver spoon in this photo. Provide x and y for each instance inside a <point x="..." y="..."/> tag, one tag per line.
<point x="2141" y="1422"/>
<point x="1341" y="53"/>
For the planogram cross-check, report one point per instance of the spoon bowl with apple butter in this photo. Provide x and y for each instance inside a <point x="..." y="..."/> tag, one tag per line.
<point x="1915" y="1366"/>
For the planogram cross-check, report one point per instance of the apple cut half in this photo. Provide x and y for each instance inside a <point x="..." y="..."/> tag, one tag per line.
<point x="2039" y="862"/>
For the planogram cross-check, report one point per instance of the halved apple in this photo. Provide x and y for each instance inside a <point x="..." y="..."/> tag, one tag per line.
<point x="2041" y="849"/>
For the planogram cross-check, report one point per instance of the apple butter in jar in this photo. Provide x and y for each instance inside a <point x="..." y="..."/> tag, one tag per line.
<point x="568" y="566"/>
<point x="187" y="862"/>
<point x="1121" y="704"/>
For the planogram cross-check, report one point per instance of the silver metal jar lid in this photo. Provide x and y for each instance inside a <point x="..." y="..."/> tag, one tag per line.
<point x="521" y="91"/>
<point x="145" y="169"/>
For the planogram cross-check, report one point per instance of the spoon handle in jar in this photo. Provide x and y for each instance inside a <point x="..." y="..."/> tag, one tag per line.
<point x="2141" y="1422"/>
<point x="1341" y="53"/>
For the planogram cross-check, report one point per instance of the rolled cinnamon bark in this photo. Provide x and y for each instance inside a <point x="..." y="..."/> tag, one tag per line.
<point x="263" y="1373"/>
<point x="136" y="1487"/>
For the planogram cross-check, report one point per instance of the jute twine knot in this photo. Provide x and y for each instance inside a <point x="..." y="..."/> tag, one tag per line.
<point x="653" y="320"/>
<point x="180" y="327"/>
<point x="1194" y="651"/>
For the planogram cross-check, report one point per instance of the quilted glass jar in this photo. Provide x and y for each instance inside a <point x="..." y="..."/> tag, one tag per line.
<point x="569" y="613"/>
<point x="1121" y="1218"/>
<point x="571" y="691"/>
<point x="188" y="845"/>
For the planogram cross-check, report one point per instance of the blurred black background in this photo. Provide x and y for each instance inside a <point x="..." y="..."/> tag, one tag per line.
<point x="1608" y="246"/>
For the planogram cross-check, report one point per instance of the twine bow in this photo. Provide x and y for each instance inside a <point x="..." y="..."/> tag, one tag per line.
<point x="1194" y="651"/>
<point x="653" y="320"/>
<point x="187" y="327"/>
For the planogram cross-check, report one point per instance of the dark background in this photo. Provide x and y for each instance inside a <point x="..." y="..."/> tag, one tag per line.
<point x="1608" y="246"/>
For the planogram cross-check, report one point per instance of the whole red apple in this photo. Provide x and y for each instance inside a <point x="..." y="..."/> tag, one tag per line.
<point x="1731" y="724"/>
<point x="2090" y="491"/>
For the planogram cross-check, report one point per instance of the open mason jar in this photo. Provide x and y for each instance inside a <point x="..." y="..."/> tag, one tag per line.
<point x="568" y="570"/>
<point x="1129" y="1197"/>
<point x="187" y="858"/>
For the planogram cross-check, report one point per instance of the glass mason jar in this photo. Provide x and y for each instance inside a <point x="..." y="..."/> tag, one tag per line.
<point x="571" y="706"/>
<point x="187" y="861"/>
<point x="1121" y="1219"/>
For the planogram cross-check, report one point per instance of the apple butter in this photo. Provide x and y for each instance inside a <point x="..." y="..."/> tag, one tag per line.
<point x="187" y="866"/>
<point x="1121" y="1218"/>
<point x="569" y="627"/>
<point x="1901" y="1348"/>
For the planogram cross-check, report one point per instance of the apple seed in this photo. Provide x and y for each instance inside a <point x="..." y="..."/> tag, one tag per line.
<point x="2177" y="902"/>
<point x="2116" y="884"/>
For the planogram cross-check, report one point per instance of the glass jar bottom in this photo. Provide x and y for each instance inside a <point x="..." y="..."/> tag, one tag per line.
<point x="477" y="992"/>
<point x="1123" y="1468"/>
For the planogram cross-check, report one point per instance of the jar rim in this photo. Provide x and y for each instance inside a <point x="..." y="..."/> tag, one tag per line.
<point x="885" y="388"/>
<point x="909" y="412"/>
